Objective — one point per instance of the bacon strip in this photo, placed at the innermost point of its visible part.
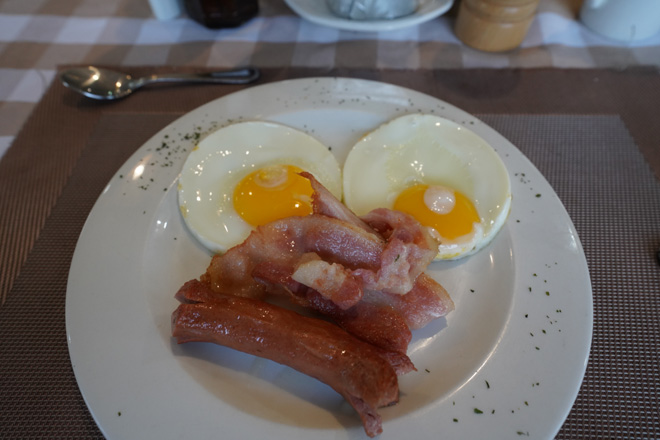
(427, 301)
(277, 258)
(401, 227)
(284, 243)
(389, 268)
(333, 281)
(353, 368)
(325, 203)
(410, 246)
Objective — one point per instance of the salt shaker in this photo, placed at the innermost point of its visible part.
(221, 13)
(494, 25)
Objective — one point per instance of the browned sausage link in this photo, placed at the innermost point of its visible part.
(376, 324)
(314, 347)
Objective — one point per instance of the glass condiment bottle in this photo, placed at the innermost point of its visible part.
(494, 25)
(221, 13)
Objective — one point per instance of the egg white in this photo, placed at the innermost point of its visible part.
(219, 162)
(428, 149)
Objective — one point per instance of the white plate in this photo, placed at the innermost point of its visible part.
(318, 12)
(507, 362)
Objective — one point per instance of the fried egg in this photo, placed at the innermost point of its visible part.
(245, 175)
(441, 173)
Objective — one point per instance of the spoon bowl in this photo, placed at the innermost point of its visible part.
(105, 84)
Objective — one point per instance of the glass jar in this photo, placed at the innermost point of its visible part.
(221, 13)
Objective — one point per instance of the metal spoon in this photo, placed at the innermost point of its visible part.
(98, 83)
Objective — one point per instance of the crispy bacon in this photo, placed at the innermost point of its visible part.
(333, 281)
(284, 243)
(401, 227)
(410, 246)
(325, 203)
(353, 368)
(390, 268)
(427, 301)
(340, 258)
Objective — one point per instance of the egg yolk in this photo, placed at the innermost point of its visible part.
(448, 211)
(272, 193)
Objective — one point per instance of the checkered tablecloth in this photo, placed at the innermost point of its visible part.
(37, 36)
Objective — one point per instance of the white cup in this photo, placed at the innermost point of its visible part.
(622, 20)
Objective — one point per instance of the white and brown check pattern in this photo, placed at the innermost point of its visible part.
(37, 36)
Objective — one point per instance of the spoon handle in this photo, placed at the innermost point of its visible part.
(239, 76)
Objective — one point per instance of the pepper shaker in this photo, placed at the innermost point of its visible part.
(494, 25)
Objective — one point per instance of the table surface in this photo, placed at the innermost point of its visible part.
(592, 100)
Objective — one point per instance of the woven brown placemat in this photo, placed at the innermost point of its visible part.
(613, 199)
(591, 133)
(40, 397)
